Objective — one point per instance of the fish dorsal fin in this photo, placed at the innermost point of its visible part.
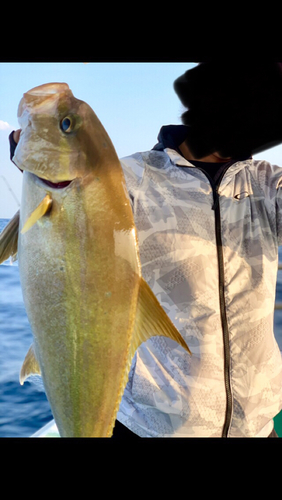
(9, 239)
(151, 320)
(41, 210)
(30, 365)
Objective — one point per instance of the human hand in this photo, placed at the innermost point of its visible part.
(14, 139)
(16, 135)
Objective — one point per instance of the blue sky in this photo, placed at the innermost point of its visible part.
(132, 100)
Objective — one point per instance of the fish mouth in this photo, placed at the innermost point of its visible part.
(56, 185)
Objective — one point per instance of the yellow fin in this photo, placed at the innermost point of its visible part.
(41, 210)
(151, 320)
(9, 239)
(30, 365)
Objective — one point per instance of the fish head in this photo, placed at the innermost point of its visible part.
(61, 137)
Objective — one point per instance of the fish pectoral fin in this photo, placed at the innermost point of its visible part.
(151, 320)
(41, 210)
(30, 365)
(9, 239)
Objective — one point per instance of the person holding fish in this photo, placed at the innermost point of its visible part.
(195, 327)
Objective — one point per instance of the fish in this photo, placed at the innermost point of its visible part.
(86, 300)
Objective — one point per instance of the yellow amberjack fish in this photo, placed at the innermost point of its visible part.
(86, 300)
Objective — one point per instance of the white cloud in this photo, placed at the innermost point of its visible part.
(4, 125)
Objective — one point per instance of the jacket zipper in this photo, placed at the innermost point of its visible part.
(226, 347)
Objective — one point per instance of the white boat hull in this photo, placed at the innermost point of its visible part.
(49, 430)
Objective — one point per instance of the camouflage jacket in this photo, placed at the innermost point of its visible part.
(210, 256)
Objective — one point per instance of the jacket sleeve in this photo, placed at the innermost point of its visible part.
(272, 186)
(279, 211)
(133, 169)
(267, 184)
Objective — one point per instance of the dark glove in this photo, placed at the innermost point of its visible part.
(13, 146)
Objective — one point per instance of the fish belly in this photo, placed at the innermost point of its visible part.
(81, 297)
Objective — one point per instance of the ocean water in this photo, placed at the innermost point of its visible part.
(25, 409)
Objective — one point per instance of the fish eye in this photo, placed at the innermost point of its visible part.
(66, 124)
